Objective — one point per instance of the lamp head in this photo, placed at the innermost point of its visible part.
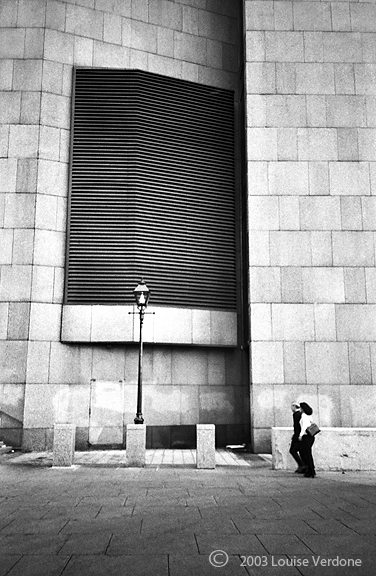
(142, 295)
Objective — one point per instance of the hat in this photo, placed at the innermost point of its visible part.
(306, 408)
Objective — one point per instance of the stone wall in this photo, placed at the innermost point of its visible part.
(311, 128)
(43, 379)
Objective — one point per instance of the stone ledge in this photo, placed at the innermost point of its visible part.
(120, 323)
(334, 449)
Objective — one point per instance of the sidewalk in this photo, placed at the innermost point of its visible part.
(170, 519)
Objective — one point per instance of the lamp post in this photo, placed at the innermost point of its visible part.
(141, 294)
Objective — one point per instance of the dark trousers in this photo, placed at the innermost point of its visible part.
(307, 442)
(295, 451)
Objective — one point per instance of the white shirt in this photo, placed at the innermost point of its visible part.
(305, 421)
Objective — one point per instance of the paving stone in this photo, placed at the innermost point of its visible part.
(31, 544)
(42, 565)
(160, 543)
(6, 563)
(283, 544)
(199, 564)
(231, 544)
(117, 566)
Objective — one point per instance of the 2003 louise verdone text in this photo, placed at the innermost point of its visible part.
(294, 561)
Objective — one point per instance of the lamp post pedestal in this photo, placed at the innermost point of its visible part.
(135, 445)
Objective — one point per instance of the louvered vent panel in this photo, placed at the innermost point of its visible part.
(152, 191)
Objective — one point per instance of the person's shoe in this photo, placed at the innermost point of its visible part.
(300, 470)
(306, 475)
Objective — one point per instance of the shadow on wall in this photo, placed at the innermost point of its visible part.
(10, 430)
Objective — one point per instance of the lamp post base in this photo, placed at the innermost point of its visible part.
(139, 419)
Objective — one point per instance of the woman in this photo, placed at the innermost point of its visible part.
(306, 439)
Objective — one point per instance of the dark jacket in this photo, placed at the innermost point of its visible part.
(296, 420)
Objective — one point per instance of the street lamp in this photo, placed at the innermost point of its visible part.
(141, 294)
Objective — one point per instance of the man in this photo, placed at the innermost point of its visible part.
(295, 444)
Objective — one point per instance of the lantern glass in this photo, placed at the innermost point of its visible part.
(142, 294)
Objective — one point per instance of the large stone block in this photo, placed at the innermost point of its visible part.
(23, 141)
(34, 43)
(19, 211)
(40, 406)
(27, 75)
(205, 452)
(317, 144)
(356, 323)
(53, 178)
(290, 248)
(70, 364)
(288, 178)
(325, 322)
(323, 285)
(267, 362)
(38, 360)
(259, 15)
(8, 172)
(294, 362)
(293, 322)
(322, 251)
(320, 213)
(355, 285)
(55, 110)
(15, 283)
(166, 14)
(353, 249)
(262, 143)
(111, 362)
(110, 55)
(319, 178)
(50, 143)
(110, 323)
(136, 445)
(363, 17)
(49, 248)
(265, 284)
(292, 284)
(260, 78)
(284, 46)
(18, 320)
(10, 103)
(315, 78)
(349, 178)
(327, 363)
(312, 16)
(63, 444)
(72, 404)
(261, 322)
(351, 213)
(161, 405)
(334, 449)
(12, 42)
(43, 284)
(286, 110)
(45, 321)
(83, 21)
(342, 47)
(367, 144)
(263, 213)
(6, 242)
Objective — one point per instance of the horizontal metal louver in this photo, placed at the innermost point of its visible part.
(152, 191)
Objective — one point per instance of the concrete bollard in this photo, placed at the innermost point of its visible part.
(63, 444)
(135, 445)
(205, 451)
